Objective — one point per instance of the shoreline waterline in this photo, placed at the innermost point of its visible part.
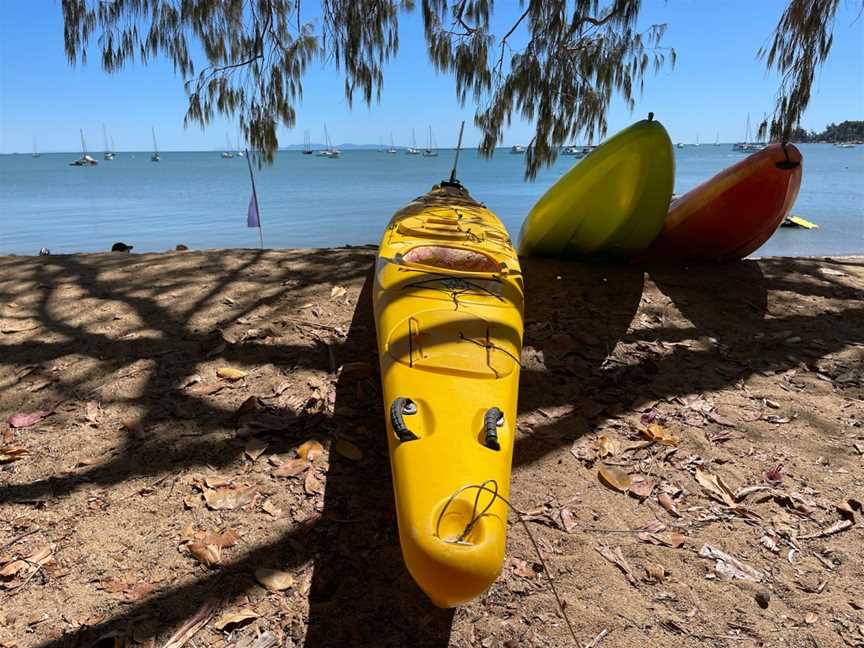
(201, 200)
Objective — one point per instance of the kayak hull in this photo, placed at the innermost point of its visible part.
(611, 204)
(448, 301)
(731, 215)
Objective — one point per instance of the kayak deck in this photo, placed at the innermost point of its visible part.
(448, 309)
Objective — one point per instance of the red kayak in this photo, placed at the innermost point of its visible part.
(731, 215)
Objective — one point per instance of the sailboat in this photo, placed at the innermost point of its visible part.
(717, 139)
(155, 156)
(108, 155)
(227, 154)
(430, 150)
(238, 149)
(329, 151)
(85, 159)
(747, 146)
(392, 148)
(697, 141)
(307, 143)
(35, 150)
(113, 148)
(412, 150)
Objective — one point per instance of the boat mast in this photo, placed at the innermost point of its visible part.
(155, 148)
(453, 180)
(105, 138)
(83, 143)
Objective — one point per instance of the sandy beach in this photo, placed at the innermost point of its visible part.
(170, 393)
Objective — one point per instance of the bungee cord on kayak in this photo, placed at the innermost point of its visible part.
(475, 518)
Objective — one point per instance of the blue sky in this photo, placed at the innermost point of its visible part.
(716, 82)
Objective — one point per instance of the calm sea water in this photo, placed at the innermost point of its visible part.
(200, 200)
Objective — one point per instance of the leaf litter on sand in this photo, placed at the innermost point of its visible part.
(8, 454)
(27, 420)
(230, 374)
(193, 624)
(18, 571)
(232, 620)
(728, 567)
(658, 434)
(221, 494)
(255, 447)
(310, 450)
(291, 468)
(206, 546)
(274, 580)
(614, 478)
(667, 503)
(715, 487)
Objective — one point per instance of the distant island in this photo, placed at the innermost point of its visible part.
(847, 131)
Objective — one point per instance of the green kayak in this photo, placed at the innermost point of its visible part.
(611, 204)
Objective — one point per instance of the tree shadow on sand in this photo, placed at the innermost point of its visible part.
(577, 316)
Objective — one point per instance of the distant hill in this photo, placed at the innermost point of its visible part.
(847, 131)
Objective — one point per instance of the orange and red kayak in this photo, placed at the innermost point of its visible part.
(731, 215)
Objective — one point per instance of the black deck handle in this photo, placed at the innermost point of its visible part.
(402, 407)
(492, 420)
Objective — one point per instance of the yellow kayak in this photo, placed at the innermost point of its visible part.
(448, 301)
(611, 204)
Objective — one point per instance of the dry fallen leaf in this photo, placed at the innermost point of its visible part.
(224, 498)
(522, 568)
(657, 433)
(209, 555)
(837, 527)
(667, 503)
(312, 484)
(811, 618)
(230, 620)
(92, 411)
(715, 486)
(654, 573)
(614, 478)
(205, 389)
(337, 291)
(348, 450)
(269, 507)
(9, 454)
(310, 450)
(223, 539)
(568, 519)
(774, 476)
(274, 579)
(728, 567)
(26, 420)
(641, 487)
(230, 374)
(607, 447)
(290, 468)
(37, 559)
(672, 539)
(255, 447)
